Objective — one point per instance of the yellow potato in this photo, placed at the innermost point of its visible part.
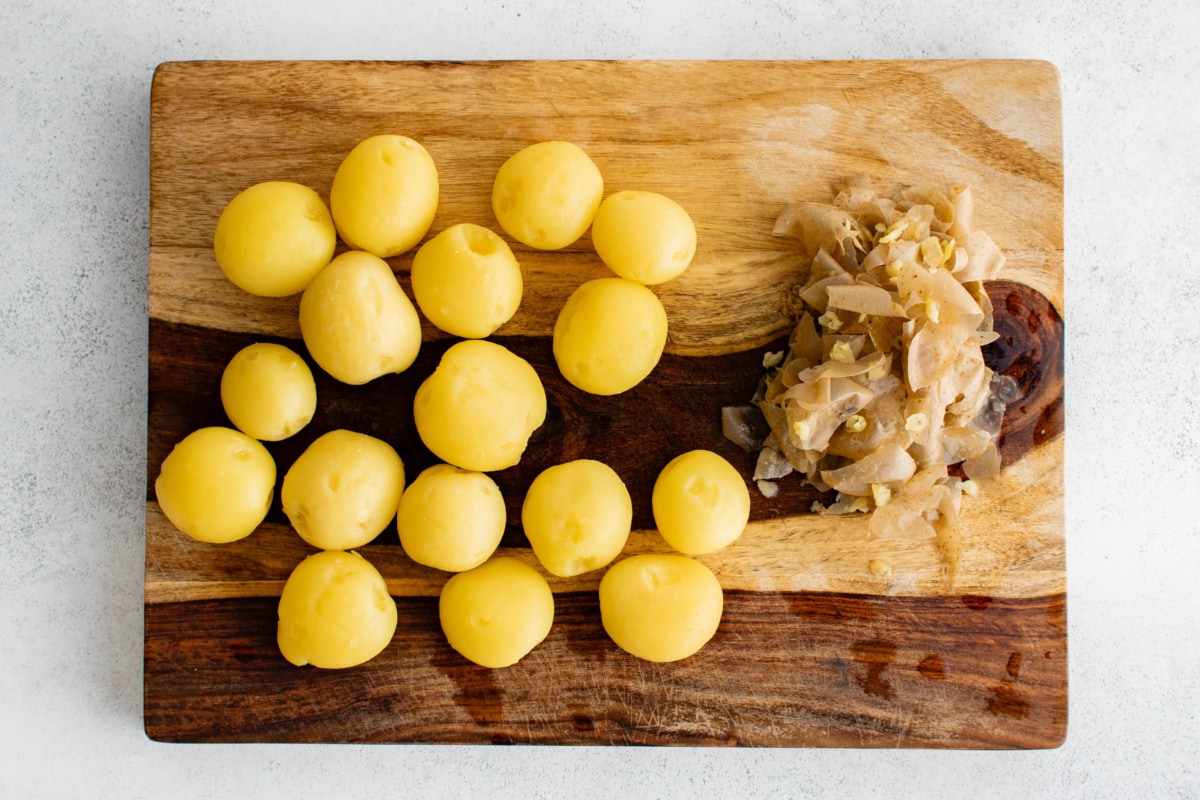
(216, 485)
(546, 195)
(577, 517)
(467, 281)
(268, 392)
(496, 613)
(660, 607)
(335, 612)
(451, 519)
(701, 503)
(343, 490)
(644, 236)
(610, 335)
(356, 320)
(480, 406)
(273, 238)
(384, 195)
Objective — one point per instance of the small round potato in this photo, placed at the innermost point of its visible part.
(343, 490)
(495, 614)
(660, 607)
(467, 281)
(577, 517)
(216, 485)
(451, 519)
(701, 503)
(335, 612)
(384, 195)
(273, 238)
(610, 335)
(644, 236)
(546, 195)
(356, 320)
(268, 392)
(480, 406)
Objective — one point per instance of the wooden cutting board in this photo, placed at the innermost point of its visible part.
(813, 649)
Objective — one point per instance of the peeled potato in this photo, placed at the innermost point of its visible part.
(451, 519)
(610, 335)
(495, 614)
(343, 490)
(216, 485)
(644, 236)
(660, 607)
(384, 195)
(356, 320)
(273, 238)
(335, 612)
(546, 194)
(268, 392)
(480, 406)
(467, 281)
(577, 517)
(701, 503)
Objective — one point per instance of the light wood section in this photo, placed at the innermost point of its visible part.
(733, 142)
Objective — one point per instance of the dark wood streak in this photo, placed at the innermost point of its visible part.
(676, 409)
(214, 673)
(1030, 351)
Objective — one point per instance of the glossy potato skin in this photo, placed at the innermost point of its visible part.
(216, 485)
(546, 194)
(273, 238)
(660, 607)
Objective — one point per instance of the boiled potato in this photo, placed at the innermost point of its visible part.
(495, 614)
(701, 503)
(610, 335)
(450, 518)
(216, 485)
(343, 490)
(480, 406)
(384, 195)
(273, 238)
(335, 612)
(356, 320)
(546, 194)
(467, 281)
(268, 392)
(644, 236)
(577, 517)
(660, 607)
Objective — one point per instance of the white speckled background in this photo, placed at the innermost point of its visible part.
(74, 133)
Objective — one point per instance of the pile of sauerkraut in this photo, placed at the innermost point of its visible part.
(883, 386)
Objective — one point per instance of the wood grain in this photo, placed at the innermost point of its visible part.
(787, 669)
(814, 650)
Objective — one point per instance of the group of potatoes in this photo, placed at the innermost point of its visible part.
(476, 411)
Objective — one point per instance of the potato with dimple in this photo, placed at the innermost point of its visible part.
(660, 607)
(268, 392)
(609, 335)
(577, 517)
(644, 236)
(546, 195)
(451, 519)
(467, 281)
(356, 320)
(495, 614)
(335, 612)
(385, 194)
(701, 503)
(343, 490)
(216, 485)
(273, 238)
(480, 406)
